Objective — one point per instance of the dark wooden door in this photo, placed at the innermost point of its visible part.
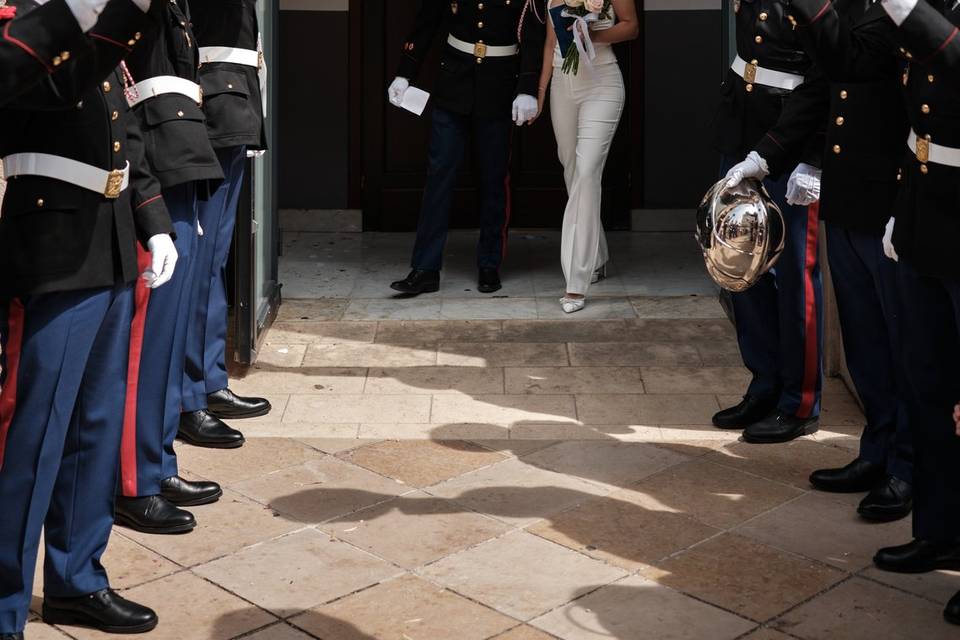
(389, 145)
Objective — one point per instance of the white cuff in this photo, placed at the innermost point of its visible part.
(86, 12)
(899, 10)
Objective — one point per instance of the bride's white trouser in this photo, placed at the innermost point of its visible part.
(585, 110)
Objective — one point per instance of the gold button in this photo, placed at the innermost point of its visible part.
(899, 175)
(844, 94)
(925, 108)
(57, 60)
(909, 55)
(114, 115)
(930, 78)
(837, 149)
(480, 6)
(137, 35)
(793, 22)
(754, 61)
(229, 86)
(39, 203)
(479, 60)
(749, 88)
(758, 39)
(131, 42)
(65, 55)
(764, 16)
(924, 169)
(508, 3)
(106, 87)
(116, 147)
(179, 114)
(480, 25)
(840, 121)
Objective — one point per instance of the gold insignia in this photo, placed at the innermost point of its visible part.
(736, 6)
(454, 8)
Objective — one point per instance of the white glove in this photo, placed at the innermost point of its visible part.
(525, 109)
(899, 10)
(888, 249)
(87, 12)
(752, 167)
(398, 88)
(163, 260)
(803, 187)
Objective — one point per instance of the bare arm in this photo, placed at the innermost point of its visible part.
(627, 27)
(547, 72)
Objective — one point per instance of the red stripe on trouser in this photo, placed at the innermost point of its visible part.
(811, 351)
(8, 396)
(128, 442)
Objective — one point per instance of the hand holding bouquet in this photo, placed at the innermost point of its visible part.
(571, 21)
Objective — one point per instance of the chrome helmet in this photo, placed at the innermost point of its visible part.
(741, 233)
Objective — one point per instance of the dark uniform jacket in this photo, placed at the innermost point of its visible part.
(928, 209)
(55, 236)
(747, 111)
(32, 44)
(232, 99)
(173, 125)
(467, 85)
(856, 92)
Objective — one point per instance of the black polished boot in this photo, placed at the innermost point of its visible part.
(225, 404)
(779, 427)
(857, 477)
(489, 281)
(201, 429)
(952, 613)
(892, 500)
(750, 410)
(153, 514)
(103, 610)
(184, 493)
(419, 281)
(919, 556)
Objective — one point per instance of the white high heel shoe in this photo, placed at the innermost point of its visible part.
(572, 305)
(599, 274)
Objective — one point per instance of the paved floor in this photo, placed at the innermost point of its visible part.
(515, 475)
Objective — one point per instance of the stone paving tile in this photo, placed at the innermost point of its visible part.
(744, 576)
(646, 410)
(826, 528)
(437, 380)
(561, 331)
(456, 431)
(880, 614)
(790, 463)
(579, 432)
(516, 492)
(488, 309)
(420, 463)
(190, 607)
(633, 354)
(716, 495)
(320, 490)
(625, 528)
(294, 309)
(719, 354)
(300, 430)
(516, 354)
(678, 307)
(718, 380)
(415, 529)
(435, 331)
(311, 332)
(503, 409)
(223, 528)
(609, 463)
(37, 630)
(717, 330)
(278, 631)
(300, 380)
(939, 586)
(524, 632)
(403, 609)
(767, 634)
(598, 308)
(521, 575)
(514, 448)
(369, 355)
(297, 572)
(358, 408)
(285, 356)
(129, 564)
(257, 457)
(573, 380)
(335, 445)
(638, 608)
(394, 308)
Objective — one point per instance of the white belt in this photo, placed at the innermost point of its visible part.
(159, 85)
(752, 74)
(926, 151)
(110, 184)
(246, 57)
(481, 50)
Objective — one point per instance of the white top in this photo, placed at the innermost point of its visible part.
(605, 54)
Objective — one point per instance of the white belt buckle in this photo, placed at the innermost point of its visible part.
(114, 186)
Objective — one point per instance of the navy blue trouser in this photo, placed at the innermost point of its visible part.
(152, 416)
(780, 319)
(448, 141)
(931, 353)
(868, 300)
(64, 363)
(206, 353)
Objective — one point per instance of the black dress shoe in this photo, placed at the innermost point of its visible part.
(779, 427)
(103, 610)
(952, 613)
(890, 501)
(184, 493)
(489, 281)
(153, 514)
(225, 404)
(419, 281)
(920, 556)
(750, 410)
(201, 429)
(857, 477)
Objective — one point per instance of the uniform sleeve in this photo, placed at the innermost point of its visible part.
(429, 19)
(33, 45)
(799, 135)
(844, 54)
(930, 37)
(149, 210)
(532, 36)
